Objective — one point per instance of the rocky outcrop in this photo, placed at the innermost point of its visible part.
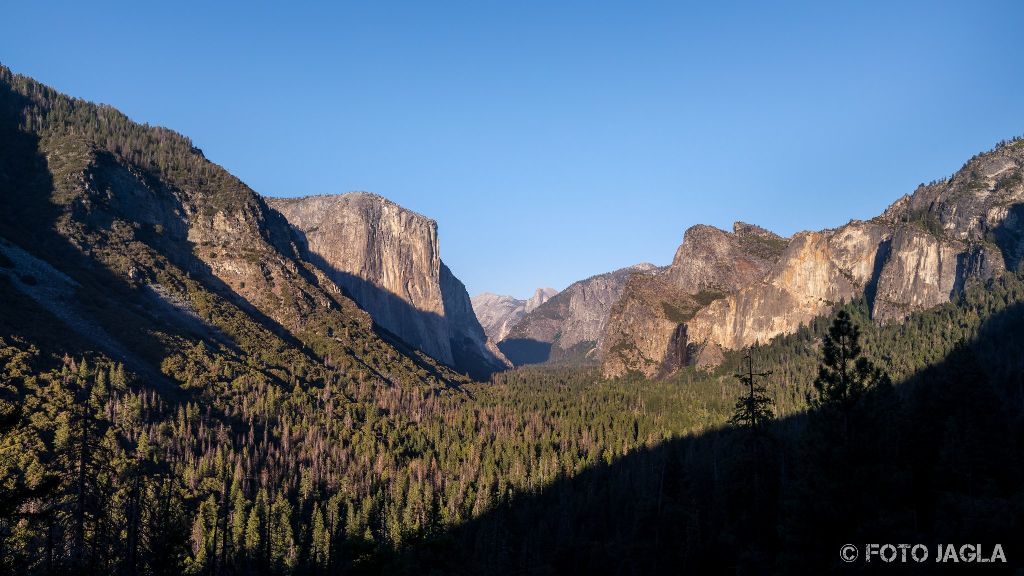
(919, 253)
(713, 260)
(647, 332)
(969, 226)
(569, 327)
(816, 271)
(388, 260)
(923, 270)
(899, 268)
(498, 313)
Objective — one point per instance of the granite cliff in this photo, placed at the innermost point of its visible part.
(388, 259)
(920, 252)
(124, 238)
(647, 330)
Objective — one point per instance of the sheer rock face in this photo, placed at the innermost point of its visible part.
(919, 253)
(388, 259)
(923, 271)
(816, 271)
(970, 226)
(472, 350)
(646, 331)
(570, 327)
(898, 267)
(498, 313)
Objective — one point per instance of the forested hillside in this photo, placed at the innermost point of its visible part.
(931, 455)
(539, 470)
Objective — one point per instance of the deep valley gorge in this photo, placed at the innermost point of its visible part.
(196, 378)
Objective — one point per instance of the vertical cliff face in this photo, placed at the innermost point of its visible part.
(570, 327)
(388, 259)
(643, 334)
(499, 313)
(382, 255)
(646, 331)
(922, 271)
(147, 251)
(816, 271)
(970, 226)
(919, 253)
(899, 268)
(729, 291)
(472, 351)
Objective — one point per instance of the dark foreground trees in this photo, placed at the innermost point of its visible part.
(538, 472)
(844, 376)
(845, 462)
(930, 461)
(754, 408)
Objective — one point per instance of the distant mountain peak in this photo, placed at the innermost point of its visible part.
(570, 326)
(499, 313)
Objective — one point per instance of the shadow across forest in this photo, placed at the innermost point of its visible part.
(117, 206)
(30, 217)
(936, 459)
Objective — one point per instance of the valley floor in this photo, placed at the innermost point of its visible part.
(539, 471)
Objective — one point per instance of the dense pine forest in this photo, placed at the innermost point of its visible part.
(539, 470)
(296, 439)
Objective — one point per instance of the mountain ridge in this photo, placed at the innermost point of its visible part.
(130, 210)
(499, 313)
(920, 252)
(570, 326)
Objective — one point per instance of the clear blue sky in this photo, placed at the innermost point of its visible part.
(556, 140)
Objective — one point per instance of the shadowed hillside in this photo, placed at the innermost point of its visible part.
(938, 460)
